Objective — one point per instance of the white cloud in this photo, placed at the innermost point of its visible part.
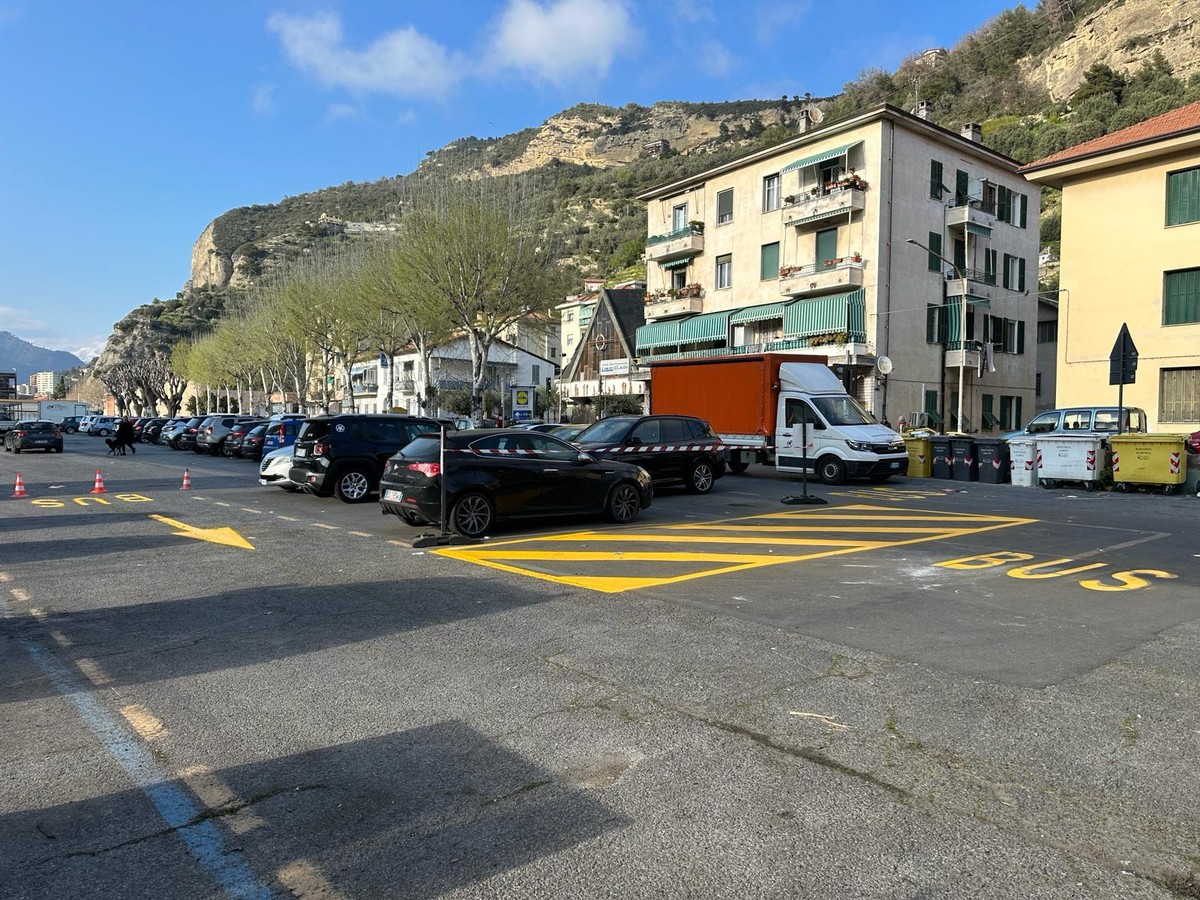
(402, 62)
(563, 41)
(263, 99)
(16, 321)
(692, 12)
(776, 23)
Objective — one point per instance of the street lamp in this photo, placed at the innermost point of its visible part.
(962, 324)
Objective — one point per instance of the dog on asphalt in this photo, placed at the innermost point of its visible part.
(114, 449)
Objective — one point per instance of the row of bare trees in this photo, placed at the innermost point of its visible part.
(465, 263)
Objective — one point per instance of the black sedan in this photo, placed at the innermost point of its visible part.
(504, 474)
(34, 435)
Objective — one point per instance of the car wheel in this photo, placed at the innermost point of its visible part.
(624, 503)
(472, 515)
(16, 449)
(104, 432)
(831, 470)
(737, 468)
(70, 431)
(700, 477)
(353, 485)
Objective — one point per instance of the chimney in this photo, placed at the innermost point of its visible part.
(925, 110)
(973, 132)
(806, 122)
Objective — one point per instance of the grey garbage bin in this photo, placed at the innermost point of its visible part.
(965, 465)
(941, 456)
(993, 460)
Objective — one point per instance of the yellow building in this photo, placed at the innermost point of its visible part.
(1131, 255)
(855, 241)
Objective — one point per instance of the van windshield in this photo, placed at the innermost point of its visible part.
(842, 411)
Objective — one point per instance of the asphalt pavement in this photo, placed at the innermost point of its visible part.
(918, 689)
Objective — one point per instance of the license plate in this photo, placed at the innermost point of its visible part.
(895, 465)
(397, 496)
(41, 440)
(299, 451)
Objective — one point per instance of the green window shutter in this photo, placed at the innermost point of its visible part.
(1183, 197)
(935, 251)
(970, 324)
(962, 187)
(1003, 203)
(960, 254)
(1016, 412)
(770, 262)
(1024, 210)
(1182, 300)
(1006, 280)
(827, 242)
(1020, 337)
(989, 266)
(935, 179)
(943, 333)
(1021, 274)
(931, 323)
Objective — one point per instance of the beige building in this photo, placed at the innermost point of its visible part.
(1131, 255)
(857, 241)
(41, 383)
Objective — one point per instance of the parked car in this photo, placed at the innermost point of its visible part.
(508, 474)
(568, 432)
(214, 429)
(1082, 420)
(231, 444)
(1193, 442)
(85, 421)
(170, 429)
(345, 454)
(102, 426)
(274, 468)
(183, 437)
(250, 446)
(673, 449)
(281, 432)
(34, 434)
(143, 428)
(6, 423)
(70, 424)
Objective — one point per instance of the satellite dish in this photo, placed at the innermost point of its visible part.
(884, 365)
(815, 114)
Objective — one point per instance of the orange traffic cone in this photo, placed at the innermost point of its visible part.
(19, 487)
(99, 487)
(187, 481)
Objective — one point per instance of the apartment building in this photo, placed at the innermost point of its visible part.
(41, 383)
(1131, 255)
(859, 241)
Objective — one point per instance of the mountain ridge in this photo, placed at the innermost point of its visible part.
(27, 358)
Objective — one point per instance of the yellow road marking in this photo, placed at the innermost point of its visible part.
(306, 881)
(20, 595)
(221, 535)
(148, 726)
(853, 529)
(217, 795)
(5, 577)
(92, 671)
(362, 534)
(61, 639)
(38, 613)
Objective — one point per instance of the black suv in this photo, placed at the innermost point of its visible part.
(345, 454)
(673, 449)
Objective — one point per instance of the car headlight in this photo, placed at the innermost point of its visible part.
(860, 446)
(643, 476)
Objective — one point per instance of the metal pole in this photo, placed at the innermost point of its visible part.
(962, 325)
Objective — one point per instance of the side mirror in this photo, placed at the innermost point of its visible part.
(584, 458)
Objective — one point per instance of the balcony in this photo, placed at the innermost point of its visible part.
(972, 216)
(968, 358)
(811, 208)
(365, 388)
(684, 242)
(682, 301)
(978, 287)
(841, 274)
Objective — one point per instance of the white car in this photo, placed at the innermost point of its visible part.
(102, 425)
(274, 468)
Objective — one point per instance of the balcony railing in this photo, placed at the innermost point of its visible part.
(666, 306)
(686, 241)
(967, 212)
(979, 287)
(818, 278)
(818, 205)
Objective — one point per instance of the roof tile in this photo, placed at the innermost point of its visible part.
(1184, 119)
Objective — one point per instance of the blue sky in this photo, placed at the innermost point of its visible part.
(130, 124)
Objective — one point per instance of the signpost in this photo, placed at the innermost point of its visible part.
(1122, 370)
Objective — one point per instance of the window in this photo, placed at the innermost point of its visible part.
(725, 206)
(935, 323)
(1004, 204)
(1181, 303)
(769, 264)
(1179, 395)
(989, 414)
(1047, 332)
(1023, 214)
(1014, 272)
(1183, 197)
(989, 266)
(962, 187)
(936, 188)
(935, 251)
(569, 315)
(1007, 418)
(770, 193)
(827, 244)
(1037, 388)
(537, 374)
(1007, 335)
(678, 278)
(679, 218)
(725, 271)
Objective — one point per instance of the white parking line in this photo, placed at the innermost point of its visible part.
(323, 525)
(362, 534)
(249, 510)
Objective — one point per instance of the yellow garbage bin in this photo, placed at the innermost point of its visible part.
(920, 456)
(1153, 459)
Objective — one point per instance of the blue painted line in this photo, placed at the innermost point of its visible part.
(177, 809)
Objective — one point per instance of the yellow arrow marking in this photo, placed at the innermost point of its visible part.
(221, 535)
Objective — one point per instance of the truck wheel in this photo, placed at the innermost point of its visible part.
(700, 477)
(831, 470)
(738, 467)
(353, 485)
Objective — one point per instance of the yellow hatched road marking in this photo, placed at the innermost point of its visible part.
(92, 671)
(217, 795)
(148, 726)
(306, 881)
(765, 531)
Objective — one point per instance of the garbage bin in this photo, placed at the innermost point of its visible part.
(965, 466)
(940, 467)
(993, 460)
(1022, 461)
(1154, 459)
(1191, 481)
(1082, 458)
(920, 456)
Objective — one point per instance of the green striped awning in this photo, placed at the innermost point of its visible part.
(821, 157)
(825, 315)
(981, 230)
(708, 327)
(657, 334)
(675, 263)
(757, 313)
(816, 217)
